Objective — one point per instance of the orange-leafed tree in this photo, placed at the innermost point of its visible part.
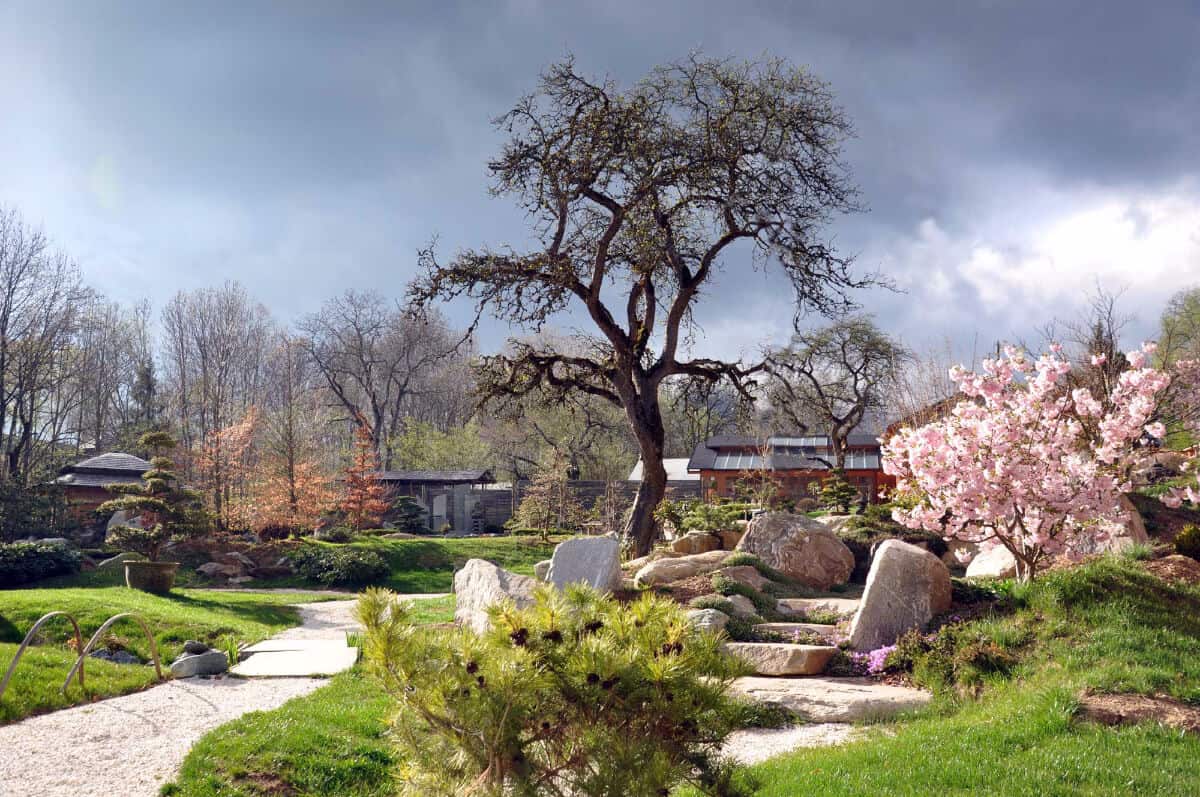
(291, 495)
(224, 464)
(365, 498)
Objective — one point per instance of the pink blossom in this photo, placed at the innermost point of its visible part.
(1024, 462)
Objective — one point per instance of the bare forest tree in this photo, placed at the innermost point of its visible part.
(383, 362)
(215, 342)
(638, 197)
(695, 410)
(835, 377)
(41, 294)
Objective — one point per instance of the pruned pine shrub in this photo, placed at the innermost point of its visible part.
(576, 695)
(341, 566)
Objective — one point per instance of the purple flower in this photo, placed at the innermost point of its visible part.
(874, 661)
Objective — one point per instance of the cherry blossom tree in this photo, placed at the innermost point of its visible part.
(1186, 400)
(1024, 461)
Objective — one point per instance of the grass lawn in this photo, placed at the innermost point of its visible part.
(207, 615)
(331, 742)
(428, 565)
(1108, 626)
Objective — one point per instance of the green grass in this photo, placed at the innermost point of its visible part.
(428, 565)
(206, 615)
(1108, 627)
(331, 742)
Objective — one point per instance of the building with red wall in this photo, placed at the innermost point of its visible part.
(795, 462)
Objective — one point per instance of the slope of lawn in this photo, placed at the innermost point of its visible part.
(331, 742)
(1108, 626)
(210, 616)
(428, 565)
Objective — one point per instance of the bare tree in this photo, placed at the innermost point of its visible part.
(696, 410)
(215, 343)
(376, 358)
(637, 197)
(41, 294)
(834, 377)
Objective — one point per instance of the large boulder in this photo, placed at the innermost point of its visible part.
(118, 562)
(594, 561)
(541, 570)
(799, 547)
(668, 570)
(707, 619)
(745, 574)
(1120, 535)
(906, 587)
(481, 584)
(730, 538)
(210, 662)
(220, 570)
(696, 542)
(993, 562)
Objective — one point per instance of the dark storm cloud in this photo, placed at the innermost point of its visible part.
(304, 148)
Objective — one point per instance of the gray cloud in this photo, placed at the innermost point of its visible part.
(306, 148)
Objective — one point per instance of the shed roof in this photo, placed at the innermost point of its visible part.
(437, 476)
(677, 470)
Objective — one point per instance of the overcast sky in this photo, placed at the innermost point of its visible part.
(1011, 154)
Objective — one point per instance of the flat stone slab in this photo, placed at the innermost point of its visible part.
(783, 658)
(827, 631)
(823, 699)
(752, 745)
(283, 658)
(843, 607)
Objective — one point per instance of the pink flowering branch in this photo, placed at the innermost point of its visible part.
(1024, 462)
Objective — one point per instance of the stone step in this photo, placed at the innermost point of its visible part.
(787, 629)
(783, 658)
(289, 658)
(842, 607)
(825, 699)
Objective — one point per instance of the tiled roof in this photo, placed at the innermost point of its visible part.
(114, 461)
(437, 476)
(95, 479)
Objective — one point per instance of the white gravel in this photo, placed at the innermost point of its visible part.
(129, 746)
(758, 744)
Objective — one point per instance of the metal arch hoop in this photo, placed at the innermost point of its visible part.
(96, 636)
(29, 638)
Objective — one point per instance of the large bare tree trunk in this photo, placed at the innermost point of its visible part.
(646, 420)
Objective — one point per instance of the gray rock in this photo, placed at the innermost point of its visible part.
(799, 547)
(906, 587)
(63, 541)
(745, 574)
(541, 569)
(115, 656)
(696, 542)
(481, 584)
(708, 619)
(994, 562)
(123, 518)
(595, 561)
(742, 606)
(783, 658)
(194, 647)
(218, 570)
(822, 699)
(667, 570)
(212, 662)
(117, 562)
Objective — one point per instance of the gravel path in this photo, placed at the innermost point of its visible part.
(758, 744)
(129, 746)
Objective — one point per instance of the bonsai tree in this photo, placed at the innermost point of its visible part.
(168, 511)
(837, 493)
